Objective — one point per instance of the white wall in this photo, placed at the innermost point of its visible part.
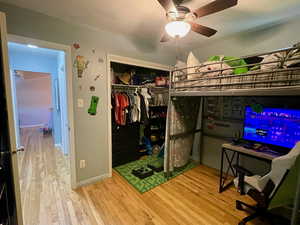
(34, 100)
(91, 132)
(260, 39)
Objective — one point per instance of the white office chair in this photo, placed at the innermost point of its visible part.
(278, 168)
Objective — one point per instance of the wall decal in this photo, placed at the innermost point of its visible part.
(81, 64)
(96, 78)
(76, 46)
(93, 106)
(92, 88)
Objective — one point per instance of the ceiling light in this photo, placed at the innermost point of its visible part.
(32, 46)
(177, 28)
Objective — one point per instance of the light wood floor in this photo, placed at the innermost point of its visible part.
(47, 198)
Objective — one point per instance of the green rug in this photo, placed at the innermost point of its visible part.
(143, 185)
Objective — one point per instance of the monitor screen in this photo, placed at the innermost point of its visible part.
(280, 127)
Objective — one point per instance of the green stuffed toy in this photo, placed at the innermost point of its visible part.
(236, 62)
(258, 108)
(93, 107)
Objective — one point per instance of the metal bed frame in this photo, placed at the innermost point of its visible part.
(276, 82)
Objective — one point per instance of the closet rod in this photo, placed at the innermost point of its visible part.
(129, 86)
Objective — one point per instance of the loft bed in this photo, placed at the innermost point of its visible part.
(275, 73)
(270, 73)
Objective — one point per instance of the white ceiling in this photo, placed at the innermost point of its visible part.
(143, 20)
(22, 49)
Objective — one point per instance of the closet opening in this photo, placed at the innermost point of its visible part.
(139, 99)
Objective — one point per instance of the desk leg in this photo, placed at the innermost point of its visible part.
(237, 162)
(221, 171)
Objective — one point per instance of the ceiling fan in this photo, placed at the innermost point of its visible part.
(181, 18)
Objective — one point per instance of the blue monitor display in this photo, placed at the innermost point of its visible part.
(280, 127)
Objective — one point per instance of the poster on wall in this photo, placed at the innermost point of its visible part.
(81, 65)
(93, 106)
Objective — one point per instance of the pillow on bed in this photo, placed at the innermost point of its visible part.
(179, 65)
(270, 61)
(191, 62)
(208, 66)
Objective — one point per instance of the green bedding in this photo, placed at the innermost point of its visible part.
(236, 62)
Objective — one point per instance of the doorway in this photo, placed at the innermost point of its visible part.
(42, 107)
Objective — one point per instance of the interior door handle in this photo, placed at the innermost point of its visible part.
(21, 149)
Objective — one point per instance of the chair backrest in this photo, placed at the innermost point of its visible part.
(283, 163)
(284, 192)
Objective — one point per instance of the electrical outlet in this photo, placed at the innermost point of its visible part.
(82, 164)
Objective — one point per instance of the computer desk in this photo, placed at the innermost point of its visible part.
(235, 157)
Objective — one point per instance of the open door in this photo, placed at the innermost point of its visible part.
(10, 203)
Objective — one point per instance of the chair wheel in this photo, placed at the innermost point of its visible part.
(239, 206)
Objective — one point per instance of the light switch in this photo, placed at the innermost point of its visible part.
(80, 103)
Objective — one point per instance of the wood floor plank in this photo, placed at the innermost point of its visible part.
(47, 198)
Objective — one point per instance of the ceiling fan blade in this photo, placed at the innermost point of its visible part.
(216, 6)
(165, 37)
(179, 2)
(168, 5)
(206, 31)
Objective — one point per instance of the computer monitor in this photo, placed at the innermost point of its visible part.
(273, 126)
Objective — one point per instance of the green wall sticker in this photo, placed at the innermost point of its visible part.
(93, 106)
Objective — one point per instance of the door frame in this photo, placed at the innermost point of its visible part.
(69, 88)
(129, 61)
(11, 122)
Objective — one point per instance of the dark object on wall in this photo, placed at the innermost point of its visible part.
(92, 88)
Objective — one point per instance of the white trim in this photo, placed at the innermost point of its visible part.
(109, 119)
(92, 180)
(137, 62)
(129, 61)
(69, 81)
(32, 125)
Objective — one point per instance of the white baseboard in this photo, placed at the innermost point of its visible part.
(33, 125)
(59, 146)
(92, 180)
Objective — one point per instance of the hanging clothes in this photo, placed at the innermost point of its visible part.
(146, 96)
(136, 108)
(144, 113)
(121, 104)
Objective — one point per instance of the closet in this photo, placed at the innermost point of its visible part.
(139, 97)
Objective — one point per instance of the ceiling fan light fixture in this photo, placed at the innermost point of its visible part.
(177, 28)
